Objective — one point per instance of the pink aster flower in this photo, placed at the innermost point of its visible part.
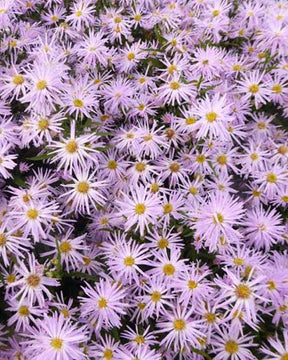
(141, 208)
(55, 338)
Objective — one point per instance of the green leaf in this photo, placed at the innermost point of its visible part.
(40, 157)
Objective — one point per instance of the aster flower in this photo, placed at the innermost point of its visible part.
(109, 305)
(182, 329)
(32, 284)
(217, 218)
(141, 208)
(231, 345)
(84, 193)
(55, 338)
(263, 228)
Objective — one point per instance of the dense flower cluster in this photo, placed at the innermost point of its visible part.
(143, 179)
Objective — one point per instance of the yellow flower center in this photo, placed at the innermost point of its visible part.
(261, 125)
(237, 67)
(108, 354)
(238, 261)
(10, 278)
(272, 178)
(168, 269)
(222, 159)
(171, 69)
(78, 103)
(78, 13)
(43, 124)
(117, 19)
(3, 239)
(71, 146)
(129, 261)
(271, 285)
(102, 303)
(140, 209)
(231, 347)
(174, 85)
(156, 296)
(254, 88)
(193, 190)
(284, 356)
(54, 18)
(139, 339)
(167, 208)
(41, 85)
(211, 117)
(174, 167)
(23, 311)
(282, 149)
(32, 214)
(218, 219)
(190, 120)
(163, 243)
(179, 325)
(284, 198)
(254, 156)
(242, 291)
(200, 159)
(18, 80)
(65, 247)
(33, 280)
(56, 344)
(277, 89)
(210, 317)
(192, 284)
(137, 17)
(65, 313)
(83, 187)
(86, 260)
(131, 56)
(112, 165)
(215, 12)
(140, 166)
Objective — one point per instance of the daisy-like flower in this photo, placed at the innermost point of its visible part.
(34, 218)
(214, 116)
(271, 178)
(10, 243)
(23, 314)
(263, 228)
(167, 266)
(105, 348)
(124, 263)
(141, 208)
(217, 218)
(70, 249)
(84, 193)
(182, 329)
(175, 91)
(32, 284)
(92, 49)
(55, 338)
(229, 344)
(252, 85)
(73, 151)
(156, 298)
(193, 286)
(138, 338)
(103, 304)
(243, 295)
(279, 349)
(82, 14)
(6, 161)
